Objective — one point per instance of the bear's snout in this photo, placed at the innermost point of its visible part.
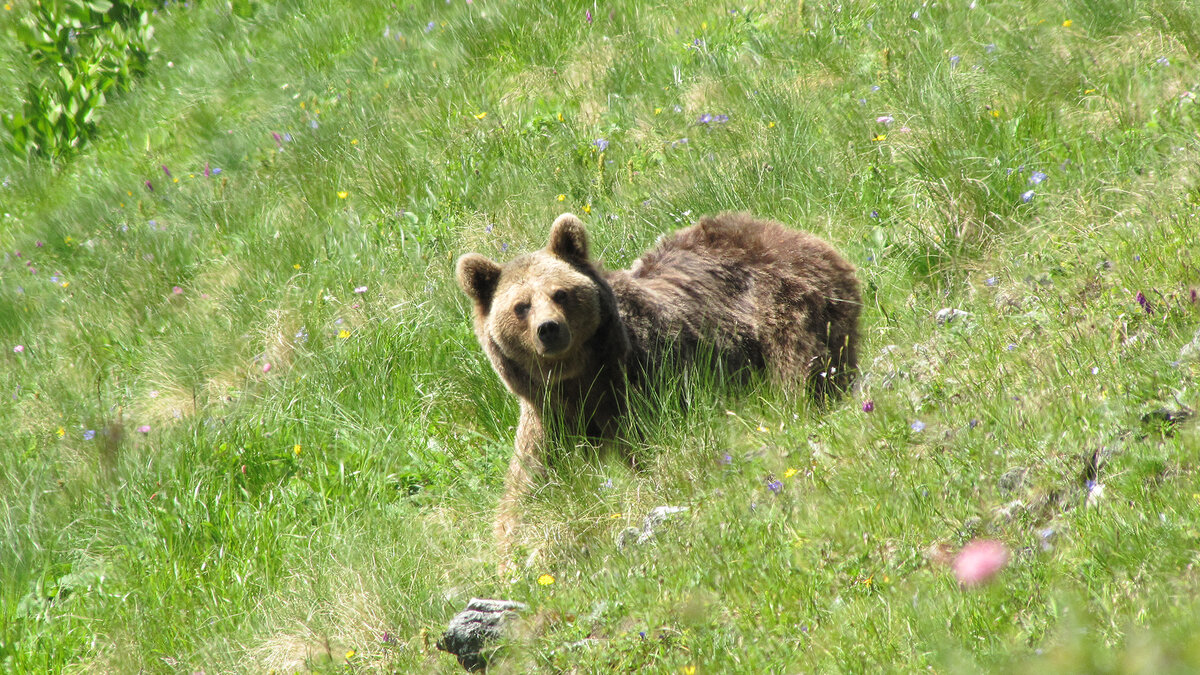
(553, 337)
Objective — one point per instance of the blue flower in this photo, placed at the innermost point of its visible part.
(727, 459)
(89, 434)
(705, 119)
(990, 281)
(918, 426)
(954, 60)
(429, 26)
(775, 485)
(1037, 177)
(1027, 197)
(600, 144)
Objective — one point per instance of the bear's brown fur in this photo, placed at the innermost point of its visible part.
(565, 336)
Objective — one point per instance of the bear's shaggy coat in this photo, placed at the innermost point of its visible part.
(566, 337)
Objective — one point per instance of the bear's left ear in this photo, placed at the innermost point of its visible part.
(568, 239)
(478, 276)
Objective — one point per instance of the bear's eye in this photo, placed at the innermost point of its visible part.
(559, 297)
(521, 309)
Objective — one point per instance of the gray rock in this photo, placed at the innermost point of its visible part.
(1191, 351)
(949, 315)
(470, 631)
(650, 526)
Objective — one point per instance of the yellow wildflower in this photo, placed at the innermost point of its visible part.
(770, 125)
(689, 670)
(1067, 23)
(996, 114)
(657, 111)
(561, 198)
(65, 284)
(545, 580)
(880, 137)
(560, 117)
(296, 449)
(1089, 91)
(618, 515)
(587, 208)
(353, 141)
(349, 654)
(61, 432)
(763, 429)
(342, 194)
(296, 266)
(481, 115)
(789, 473)
(343, 334)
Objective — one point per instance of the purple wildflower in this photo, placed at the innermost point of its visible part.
(774, 485)
(868, 406)
(1027, 196)
(177, 290)
(989, 48)
(1037, 177)
(216, 171)
(207, 170)
(1163, 61)
(313, 124)
(954, 61)
(166, 170)
(1141, 299)
(721, 119)
(278, 140)
(601, 144)
(1010, 346)
(19, 349)
(918, 426)
(144, 429)
(874, 213)
(704, 119)
(89, 434)
(360, 289)
(991, 281)
(727, 459)
(588, 16)
(150, 186)
(885, 119)
(429, 26)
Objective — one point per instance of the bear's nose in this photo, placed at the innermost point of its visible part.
(553, 335)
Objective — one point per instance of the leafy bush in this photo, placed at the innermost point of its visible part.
(81, 51)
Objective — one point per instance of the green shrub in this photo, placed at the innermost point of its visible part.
(81, 52)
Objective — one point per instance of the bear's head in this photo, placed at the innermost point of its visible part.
(544, 311)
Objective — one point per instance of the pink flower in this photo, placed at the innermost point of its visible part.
(979, 561)
(361, 289)
(267, 367)
(19, 349)
(144, 429)
(177, 290)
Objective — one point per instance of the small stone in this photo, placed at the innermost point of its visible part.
(650, 526)
(949, 315)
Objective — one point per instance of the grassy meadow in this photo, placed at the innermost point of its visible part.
(245, 425)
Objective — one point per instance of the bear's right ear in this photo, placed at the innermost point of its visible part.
(568, 239)
(477, 276)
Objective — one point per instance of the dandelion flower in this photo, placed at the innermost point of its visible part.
(61, 432)
(349, 654)
(545, 580)
(879, 137)
(587, 208)
(296, 449)
(343, 334)
(790, 472)
(1067, 23)
(342, 194)
(296, 266)
(689, 670)
(561, 198)
(481, 115)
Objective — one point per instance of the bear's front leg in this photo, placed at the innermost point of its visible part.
(525, 465)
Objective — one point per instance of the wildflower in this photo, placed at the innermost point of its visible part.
(995, 113)
(918, 426)
(989, 48)
(1010, 346)
(144, 429)
(266, 367)
(343, 334)
(727, 459)
(296, 449)
(1162, 61)
(216, 171)
(342, 194)
(790, 472)
(607, 484)
(879, 137)
(166, 170)
(705, 119)
(349, 654)
(763, 429)
(545, 580)
(1027, 197)
(954, 60)
(774, 485)
(874, 213)
(1067, 23)
(1037, 177)
(89, 434)
(1141, 300)
(61, 432)
(177, 290)
(990, 281)
(868, 406)
(360, 289)
(312, 124)
(150, 186)
(302, 336)
(600, 144)
(481, 115)
(296, 266)
(689, 670)
(429, 26)
(884, 119)
(657, 111)
(587, 208)
(1095, 370)
(721, 119)
(771, 125)
(278, 140)
(979, 561)
(588, 16)
(561, 198)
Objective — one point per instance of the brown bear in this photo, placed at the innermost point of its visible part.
(569, 338)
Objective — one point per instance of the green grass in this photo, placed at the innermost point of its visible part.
(209, 543)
